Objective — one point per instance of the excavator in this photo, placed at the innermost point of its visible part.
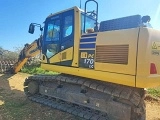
(104, 68)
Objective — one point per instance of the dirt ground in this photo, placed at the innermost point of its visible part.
(15, 106)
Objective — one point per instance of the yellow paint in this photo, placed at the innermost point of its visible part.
(88, 73)
(19, 65)
(58, 57)
(69, 54)
(146, 57)
(77, 36)
(32, 50)
(119, 37)
(55, 58)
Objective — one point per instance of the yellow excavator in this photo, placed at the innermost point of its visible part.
(104, 67)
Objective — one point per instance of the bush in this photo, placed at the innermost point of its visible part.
(35, 69)
(154, 91)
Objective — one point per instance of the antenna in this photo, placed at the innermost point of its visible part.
(80, 4)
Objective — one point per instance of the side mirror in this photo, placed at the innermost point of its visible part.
(31, 28)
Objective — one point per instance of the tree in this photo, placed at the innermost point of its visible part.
(1, 51)
(6, 55)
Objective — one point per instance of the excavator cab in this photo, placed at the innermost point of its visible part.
(59, 34)
(62, 32)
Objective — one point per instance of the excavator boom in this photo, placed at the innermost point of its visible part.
(29, 50)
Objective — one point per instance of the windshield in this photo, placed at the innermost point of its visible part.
(53, 29)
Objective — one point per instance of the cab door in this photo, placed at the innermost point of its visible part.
(67, 38)
(52, 40)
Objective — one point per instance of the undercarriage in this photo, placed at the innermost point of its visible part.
(87, 98)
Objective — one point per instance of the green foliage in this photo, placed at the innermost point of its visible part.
(154, 91)
(35, 69)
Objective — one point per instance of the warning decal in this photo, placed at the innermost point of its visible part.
(156, 45)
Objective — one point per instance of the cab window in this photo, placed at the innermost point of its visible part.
(53, 30)
(90, 23)
(68, 26)
(52, 37)
(52, 49)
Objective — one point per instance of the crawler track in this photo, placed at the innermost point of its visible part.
(86, 98)
(76, 110)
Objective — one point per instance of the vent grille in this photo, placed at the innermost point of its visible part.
(64, 55)
(115, 54)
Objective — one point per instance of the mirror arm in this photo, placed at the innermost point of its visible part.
(38, 25)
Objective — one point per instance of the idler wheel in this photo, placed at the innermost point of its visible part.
(33, 87)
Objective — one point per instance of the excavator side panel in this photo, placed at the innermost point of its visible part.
(148, 61)
(97, 75)
(116, 51)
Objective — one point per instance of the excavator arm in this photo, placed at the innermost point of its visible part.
(29, 50)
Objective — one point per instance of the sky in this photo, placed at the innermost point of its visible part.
(16, 15)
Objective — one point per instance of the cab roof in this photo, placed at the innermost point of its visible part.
(73, 8)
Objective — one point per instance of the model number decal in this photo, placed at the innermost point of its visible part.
(90, 62)
(86, 55)
(87, 59)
